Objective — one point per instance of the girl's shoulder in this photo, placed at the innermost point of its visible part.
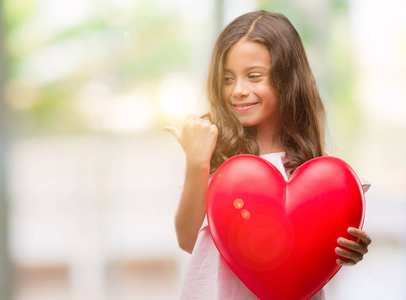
(365, 184)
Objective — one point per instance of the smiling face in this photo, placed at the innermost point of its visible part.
(247, 86)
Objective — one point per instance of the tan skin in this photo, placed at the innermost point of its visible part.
(197, 138)
(248, 90)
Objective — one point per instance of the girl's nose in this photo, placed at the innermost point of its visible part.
(240, 90)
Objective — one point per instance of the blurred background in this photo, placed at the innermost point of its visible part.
(89, 182)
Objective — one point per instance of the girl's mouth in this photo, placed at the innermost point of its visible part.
(245, 106)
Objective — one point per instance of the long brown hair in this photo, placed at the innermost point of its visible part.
(299, 105)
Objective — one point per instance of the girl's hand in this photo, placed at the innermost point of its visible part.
(197, 138)
(356, 250)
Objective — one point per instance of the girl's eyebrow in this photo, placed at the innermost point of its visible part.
(257, 67)
(247, 69)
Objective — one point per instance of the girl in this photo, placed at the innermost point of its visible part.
(263, 101)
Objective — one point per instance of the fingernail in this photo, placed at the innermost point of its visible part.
(339, 250)
(351, 230)
(341, 240)
(339, 262)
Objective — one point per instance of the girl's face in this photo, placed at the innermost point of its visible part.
(247, 86)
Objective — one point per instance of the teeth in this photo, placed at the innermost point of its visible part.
(245, 105)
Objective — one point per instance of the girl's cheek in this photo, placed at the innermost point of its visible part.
(226, 95)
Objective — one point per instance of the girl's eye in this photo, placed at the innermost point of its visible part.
(228, 79)
(254, 76)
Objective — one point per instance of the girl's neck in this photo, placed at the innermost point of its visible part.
(269, 141)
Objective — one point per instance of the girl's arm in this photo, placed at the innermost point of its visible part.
(198, 139)
(192, 206)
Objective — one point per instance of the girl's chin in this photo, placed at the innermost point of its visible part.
(247, 123)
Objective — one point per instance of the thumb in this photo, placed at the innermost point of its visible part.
(174, 131)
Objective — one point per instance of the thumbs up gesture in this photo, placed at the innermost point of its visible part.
(197, 138)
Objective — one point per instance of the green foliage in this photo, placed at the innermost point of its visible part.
(130, 46)
(17, 10)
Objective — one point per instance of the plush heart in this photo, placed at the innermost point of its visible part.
(280, 237)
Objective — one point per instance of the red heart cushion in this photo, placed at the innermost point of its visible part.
(279, 237)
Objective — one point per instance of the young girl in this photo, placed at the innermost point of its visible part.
(263, 101)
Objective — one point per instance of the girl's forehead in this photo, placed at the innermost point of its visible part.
(247, 54)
